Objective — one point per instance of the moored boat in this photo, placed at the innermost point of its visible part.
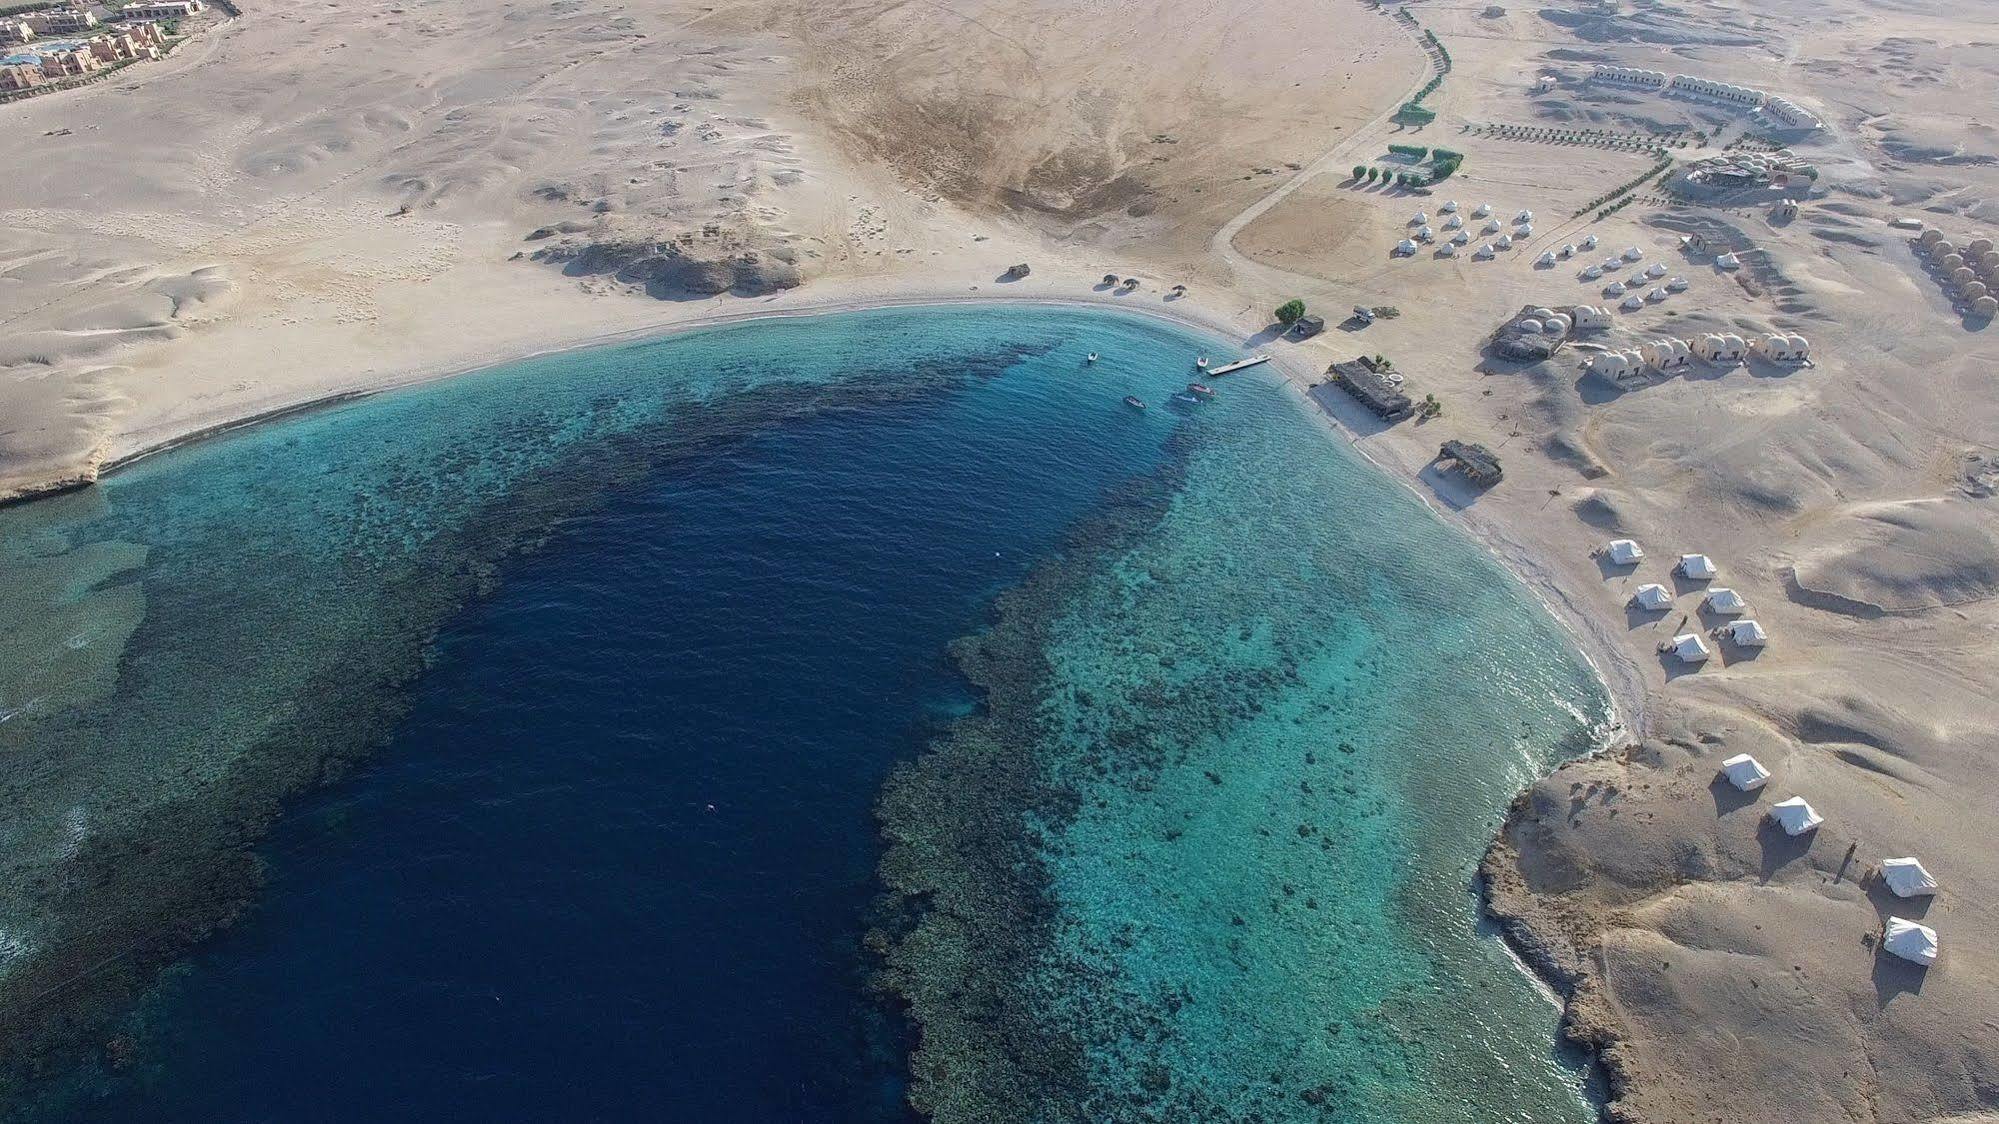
(1201, 363)
(1197, 388)
(1134, 401)
(1186, 399)
(1092, 358)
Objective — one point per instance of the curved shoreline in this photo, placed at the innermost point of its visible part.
(1530, 943)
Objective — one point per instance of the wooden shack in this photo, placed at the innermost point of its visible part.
(1476, 461)
(1368, 382)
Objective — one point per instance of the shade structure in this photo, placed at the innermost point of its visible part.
(1745, 772)
(1405, 247)
(1697, 566)
(1795, 816)
(1690, 648)
(1624, 552)
(1910, 941)
(1721, 599)
(1907, 878)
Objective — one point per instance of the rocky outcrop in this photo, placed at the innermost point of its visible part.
(672, 271)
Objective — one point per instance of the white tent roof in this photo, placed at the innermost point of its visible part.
(1623, 551)
(1745, 772)
(1907, 877)
(1698, 566)
(1722, 599)
(1589, 243)
(1747, 634)
(1795, 816)
(1910, 941)
(1690, 648)
(1450, 205)
(1653, 598)
(1405, 247)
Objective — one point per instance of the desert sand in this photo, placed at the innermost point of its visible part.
(332, 198)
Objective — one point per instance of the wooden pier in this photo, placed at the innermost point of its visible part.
(1231, 368)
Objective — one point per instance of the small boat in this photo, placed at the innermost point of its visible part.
(1201, 363)
(1186, 398)
(1134, 401)
(1197, 388)
(1092, 358)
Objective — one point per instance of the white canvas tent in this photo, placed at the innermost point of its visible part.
(1747, 634)
(1699, 567)
(1910, 941)
(1907, 878)
(1795, 816)
(1722, 599)
(1623, 552)
(1690, 648)
(1652, 598)
(1745, 772)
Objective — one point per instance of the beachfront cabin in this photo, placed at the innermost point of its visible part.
(1589, 243)
(1484, 252)
(1723, 348)
(1745, 772)
(1305, 327)
(1405, 247)
(1546, 260)
(1746, 634)
(1795, 816)
(1491, 227)
(1677, 285)
(1623, 552)
(1371, 386)
(1728, 261)
(1484, 209)
(1655, 271)
(1652, 598)
(1696, 567)
(1526, 231)
(1479, 464)
(1614, 289)
(1504, 242)
(1453, 222)
(1612, 365)
(1524, 216)
(1633, 253)
(1689, 648)
(1568, 251)
(1425, 234)
(1448, 250)
(1781, 348)
(1632, 303)
(1907, 878)
(1657, 294)
(1460, 239)
(1912, 942)
(1450, 207)
(1725, 601)
(1421, 218)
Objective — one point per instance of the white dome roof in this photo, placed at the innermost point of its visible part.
(1531, 325)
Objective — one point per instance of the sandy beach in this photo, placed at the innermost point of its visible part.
(323, 201)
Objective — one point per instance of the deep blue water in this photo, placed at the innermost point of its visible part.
(679, 609)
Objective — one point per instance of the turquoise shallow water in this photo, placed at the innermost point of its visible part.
(627, 642)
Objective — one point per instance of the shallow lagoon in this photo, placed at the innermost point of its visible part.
(628, 643)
